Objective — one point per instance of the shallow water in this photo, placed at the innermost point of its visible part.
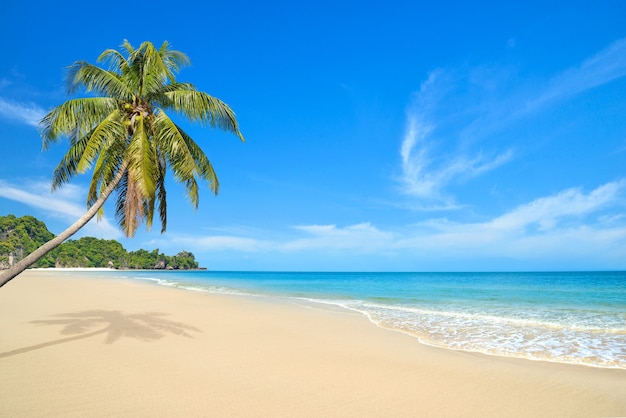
(570, 317)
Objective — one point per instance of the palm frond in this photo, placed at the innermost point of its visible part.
(66, 169)
(171, 139)
(128, 47)
(75, 117)
(84, 150)
(177, 86)
(186, 158)
(160, 99)
(174, 60)
(110, 161)
(191, 185)
(93, 78)
(161, 193)
(204, 108)
(116, 60)
(128, 207)
(206, 170)
(142, 160)
(154, 72)
(159, 198)
(187, 161)
(111, 129)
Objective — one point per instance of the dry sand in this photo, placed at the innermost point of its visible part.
(94, 347)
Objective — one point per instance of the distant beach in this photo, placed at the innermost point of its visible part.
(90, 343)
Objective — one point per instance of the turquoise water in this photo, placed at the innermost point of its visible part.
(570, 317)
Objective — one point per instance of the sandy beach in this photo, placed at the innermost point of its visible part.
(77, 347)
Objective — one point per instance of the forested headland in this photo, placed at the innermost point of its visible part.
(21, 236)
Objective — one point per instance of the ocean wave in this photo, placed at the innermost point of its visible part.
(503, 336)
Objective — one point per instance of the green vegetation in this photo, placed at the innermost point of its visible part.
(20, 236)
(121, 133)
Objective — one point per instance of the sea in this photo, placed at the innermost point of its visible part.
(568, 317)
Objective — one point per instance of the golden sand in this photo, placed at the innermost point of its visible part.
(83, 347)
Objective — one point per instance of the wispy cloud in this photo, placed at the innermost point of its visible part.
(455, 113)
(426, 176)
(63, 204)
(213, 243)
(604, 67)
(526, 100)
(431, 153)
(547, 212)
(554, 218)
(567, 224)
(364, 237)
(25, 113)
(571, 226)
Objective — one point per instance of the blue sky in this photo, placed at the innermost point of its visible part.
(382, 136)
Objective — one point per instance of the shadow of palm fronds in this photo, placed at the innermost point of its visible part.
(147, 327)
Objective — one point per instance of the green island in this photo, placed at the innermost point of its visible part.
(21, 236)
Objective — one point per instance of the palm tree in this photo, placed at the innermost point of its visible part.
(122, 133)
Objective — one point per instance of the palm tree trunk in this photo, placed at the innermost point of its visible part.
(31, 258)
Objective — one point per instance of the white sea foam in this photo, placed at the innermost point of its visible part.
(504, 336)
(501, 336)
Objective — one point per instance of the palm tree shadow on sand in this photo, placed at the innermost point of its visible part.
(147, 327)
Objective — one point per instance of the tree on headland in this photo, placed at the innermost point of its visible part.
(21, 236)
(122, 132)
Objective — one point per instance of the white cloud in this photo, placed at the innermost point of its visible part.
(213, 243)
(39, 199)
(604, 67)
(456, 111)
(417, 181)
(525, 100)
(63, 204)
(552, 226)
(566, 228)
(426, 175)
(361, 237)
(548, 211)
(26, 113)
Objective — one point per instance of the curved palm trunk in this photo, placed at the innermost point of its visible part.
(31, 258)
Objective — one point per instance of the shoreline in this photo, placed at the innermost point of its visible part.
(342, 304)
(96, 269)
(77, 347)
